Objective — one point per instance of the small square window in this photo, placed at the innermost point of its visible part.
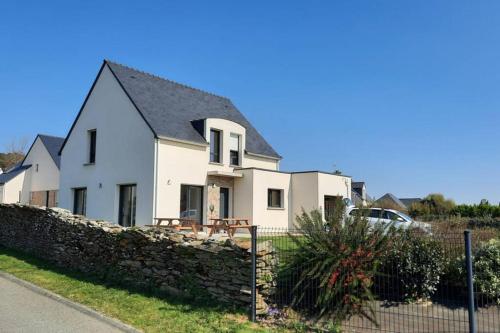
(274, 198)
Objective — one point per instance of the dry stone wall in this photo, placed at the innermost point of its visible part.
(164, 260)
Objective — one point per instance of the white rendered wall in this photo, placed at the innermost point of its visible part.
(125, 154)
(332, 185)
(47, 177)
(305, 193)
(179, 163)
(12, 188)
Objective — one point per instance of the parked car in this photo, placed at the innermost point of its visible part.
(386, 216)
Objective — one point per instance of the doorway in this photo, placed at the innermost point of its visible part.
(224, 203)
(127, 206)
(332, 203)
(192, 202)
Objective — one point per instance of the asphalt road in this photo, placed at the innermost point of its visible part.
(23, 309)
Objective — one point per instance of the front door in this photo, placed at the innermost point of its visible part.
(126, 210)
(224, 203)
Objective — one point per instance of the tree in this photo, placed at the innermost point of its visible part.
(14, 153)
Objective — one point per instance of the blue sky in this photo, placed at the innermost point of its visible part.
(400, 94)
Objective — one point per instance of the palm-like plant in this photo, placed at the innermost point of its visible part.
(335, 264)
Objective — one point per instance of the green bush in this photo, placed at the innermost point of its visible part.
(334, 265)
(412, 268)
(487, 269)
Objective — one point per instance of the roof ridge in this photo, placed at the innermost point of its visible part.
(50, 136)
(168, 80)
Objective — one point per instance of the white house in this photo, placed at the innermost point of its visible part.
(143, 147)
(35, 180)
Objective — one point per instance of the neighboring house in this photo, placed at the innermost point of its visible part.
(359, 195)
(143, 147)
(35, 180)
(389, 200)
(410, 201)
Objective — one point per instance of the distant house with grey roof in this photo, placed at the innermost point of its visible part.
(359, 195)
(35, 180)
(390, 200)
(143, 147)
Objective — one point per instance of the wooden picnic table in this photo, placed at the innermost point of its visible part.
(228, 224)
(182, 224)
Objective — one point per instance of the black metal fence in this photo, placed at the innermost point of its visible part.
(420, 287)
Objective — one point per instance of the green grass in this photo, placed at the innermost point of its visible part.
(141, 310)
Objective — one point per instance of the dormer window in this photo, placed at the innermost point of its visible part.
(234, 149)
(215, 146)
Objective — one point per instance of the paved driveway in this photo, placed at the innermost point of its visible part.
(25, 308)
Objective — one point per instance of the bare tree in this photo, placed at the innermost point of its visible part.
(14, 153)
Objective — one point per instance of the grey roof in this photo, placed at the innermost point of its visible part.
(391, 197)
(357, 184)
(409, 201)
(13, 172)
(53, 144)
(170, 108)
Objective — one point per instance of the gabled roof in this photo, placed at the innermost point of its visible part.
(13, 172)
(409, 201)
(170, 108)
(391, 197)
(53, 144)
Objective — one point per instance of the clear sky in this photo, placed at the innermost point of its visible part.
(401, 94)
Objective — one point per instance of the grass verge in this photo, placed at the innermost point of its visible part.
(141, 310)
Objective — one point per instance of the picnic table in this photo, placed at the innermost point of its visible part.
(182, 224)
(228, 224)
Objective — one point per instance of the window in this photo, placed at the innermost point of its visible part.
(80, 201)
(192, 202)
(215, 146)
(274, 198)
(392, 216)
(234, 149)
(92, 145)
(375, 213)
(127, 208)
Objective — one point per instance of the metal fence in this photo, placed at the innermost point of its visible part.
(454, 303)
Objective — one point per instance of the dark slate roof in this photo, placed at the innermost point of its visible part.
(53, 145)
(13, 172)
(391, 197)
(170, 108)
(409, 201)
(357, 184)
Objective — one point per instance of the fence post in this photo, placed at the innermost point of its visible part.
(253, 308)
(470, 282)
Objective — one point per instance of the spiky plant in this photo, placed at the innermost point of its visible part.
(335, 263)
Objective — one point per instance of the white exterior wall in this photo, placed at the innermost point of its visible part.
(252, 161)
(125, 154)
(305, 193)
(179, 163)
(47, 177)
(12, 188)
(332, 185)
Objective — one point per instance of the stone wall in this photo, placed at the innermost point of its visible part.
(164, 260)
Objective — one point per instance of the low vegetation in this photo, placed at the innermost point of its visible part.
(334, 266)
(145, 311)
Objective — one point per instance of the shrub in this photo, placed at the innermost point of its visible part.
(487, 269)
(335, 264)
(412, 267)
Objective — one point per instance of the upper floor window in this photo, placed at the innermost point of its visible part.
(215, 146)
(234, 149)
(274, 198)
(92, 145)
